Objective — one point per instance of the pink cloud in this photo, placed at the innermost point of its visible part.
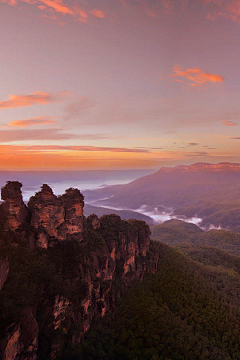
(32, 122)
(229, 123)
(76, 108)
(44, 134)
(219, 8)
(34, 98)
(61, 8)
(168, 4)
(10, 2)
(40, 148)
(58, 6)
(97, 13)
(194, 76)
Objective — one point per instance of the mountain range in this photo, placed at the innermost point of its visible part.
(210, 192)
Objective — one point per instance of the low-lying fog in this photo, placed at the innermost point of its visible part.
(159, 214)
(60, 181)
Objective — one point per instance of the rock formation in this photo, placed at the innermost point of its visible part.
(13, 205)
(21, 340)
(53, 218)
(72, 227)
(96, 259)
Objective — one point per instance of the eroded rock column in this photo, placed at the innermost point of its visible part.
(13, 205)
(47, 214)
(72, 228)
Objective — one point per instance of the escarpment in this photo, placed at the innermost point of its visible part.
(60, 270)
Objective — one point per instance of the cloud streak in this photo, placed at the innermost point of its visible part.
(84, 148)
(194, 76)
(229, 123)
(60, 7)
(44, 134)
(76, 108)
(229, 9)
(35, 98)
(192, 144)
(198, 154)
(32, 122)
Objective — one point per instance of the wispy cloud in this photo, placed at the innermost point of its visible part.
(97, 13)
(229, 9)
(52, 8)
(44, 134)
(192, 144)
(58, 6)
(35, 98)
(83, 148)
(77, 107)
(15, 157)
(197, 154)
(209, 148)
(33, 122)
(61, 8)
(10, 2)
(229, 123)
(194, 76)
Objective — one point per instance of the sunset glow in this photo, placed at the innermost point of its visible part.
(118, 84)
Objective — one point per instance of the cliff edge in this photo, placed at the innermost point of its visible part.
(62, 270)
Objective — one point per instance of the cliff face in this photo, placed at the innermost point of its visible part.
(13, 205)
(85, 268)
(56, 217)
(4, 269)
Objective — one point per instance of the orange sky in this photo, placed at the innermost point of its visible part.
(118, 84)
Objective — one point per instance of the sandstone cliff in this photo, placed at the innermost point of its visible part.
(13, 205)
(66, 270)
(4, 269)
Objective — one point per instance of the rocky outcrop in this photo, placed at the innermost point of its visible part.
(95, 261)
(94, 221)
(55, 217)
(47, 214)
(21, 340)
(13, 205)
(72, 227)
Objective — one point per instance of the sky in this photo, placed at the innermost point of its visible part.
(118, 84)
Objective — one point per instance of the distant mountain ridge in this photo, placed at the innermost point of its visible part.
(208, 191)
(223, 166)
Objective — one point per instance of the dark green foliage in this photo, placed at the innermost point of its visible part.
(179, 313)
(175, 232)
(38, 276)
(124, 214)
(32, 277)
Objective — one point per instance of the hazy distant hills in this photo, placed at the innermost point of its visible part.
(179, 233)
(61, 180)
(210, 191)
(124, 214)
